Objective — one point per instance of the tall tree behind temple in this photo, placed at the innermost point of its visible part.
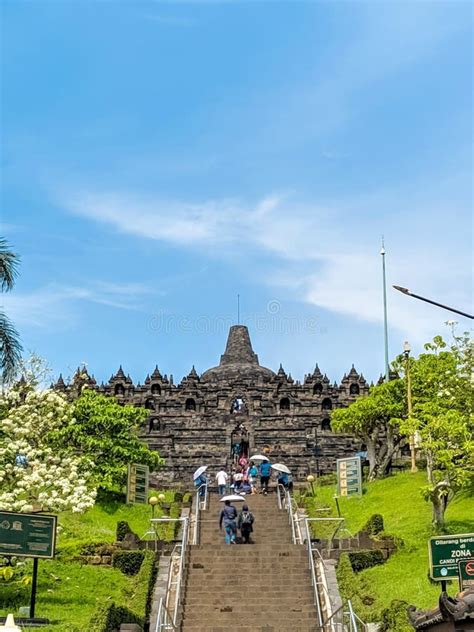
(10, 346)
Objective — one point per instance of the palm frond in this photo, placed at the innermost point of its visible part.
(9, 261)
(10, 350)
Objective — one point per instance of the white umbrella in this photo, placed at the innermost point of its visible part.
(259, 457)
(280, 467)
(233, 498)
(199, 471)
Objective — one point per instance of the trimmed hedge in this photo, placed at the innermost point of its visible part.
(108, 618)
(354, 587)
(144, 581)
(122, 529)
(395, 618)
(97, 548)
(129, 562)
(137, 596)
(374, 524)
(360, 560)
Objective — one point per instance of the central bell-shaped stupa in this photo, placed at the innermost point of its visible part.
(239, 361)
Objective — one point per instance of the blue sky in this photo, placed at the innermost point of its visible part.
(160, 158)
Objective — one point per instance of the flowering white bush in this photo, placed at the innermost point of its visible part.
(34, 469)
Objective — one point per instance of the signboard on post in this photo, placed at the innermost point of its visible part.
(349, 476)
(446, 552)
(137, 483)
(466, 573)
(27, 535)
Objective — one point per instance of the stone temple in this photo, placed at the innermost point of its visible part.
(237, 402)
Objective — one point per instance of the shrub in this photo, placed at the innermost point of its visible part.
(374, 524)
(97, 548)
(360, 560)
(13, 594)
(108, 618)
(123, 528)
(354, 587)
(327, 479)
(129, 562)
(187, 498)
(382, 536)
(395, 618)
(345, 576)
(178, 497)
(140, 597)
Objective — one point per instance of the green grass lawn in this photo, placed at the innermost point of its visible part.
(68, 591)
(99, 523)
(408, 516)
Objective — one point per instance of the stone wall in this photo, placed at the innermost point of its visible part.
(197, 420)
(362, 541)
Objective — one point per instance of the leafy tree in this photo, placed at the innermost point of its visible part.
(10, 346)
(375, 420)
(442, 418)
(107, 432)
(33, 471)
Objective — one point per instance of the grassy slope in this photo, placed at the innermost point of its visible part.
(70, 600)
(69, 592)
(407, 516)
(99, 523)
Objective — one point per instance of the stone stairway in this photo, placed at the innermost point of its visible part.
(264, 586)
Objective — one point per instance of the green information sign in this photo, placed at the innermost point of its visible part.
(349, 476)
(446, 552)
(466, 573)
(27, 535)
(137, 483)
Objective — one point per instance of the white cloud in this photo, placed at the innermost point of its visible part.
(327, 255)
(55, 305)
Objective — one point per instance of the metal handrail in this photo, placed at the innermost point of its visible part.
(280, 505)
(314, 580)
(345, 620)
(200, 504)
(339, 526)
(166, 621)
(290, 505)
(296, 519)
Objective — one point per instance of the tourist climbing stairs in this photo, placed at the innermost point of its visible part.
(263, 586)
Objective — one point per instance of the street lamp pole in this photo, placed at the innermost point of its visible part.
(385, 319)
(406, 353)
(404, 290)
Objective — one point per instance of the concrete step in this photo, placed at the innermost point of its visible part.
(274, 568)
(289, 618)
(218, 547)
(242, 627)
(222, 590)
(299, 582)
(230, 574)
(253, 613)
(301, 597)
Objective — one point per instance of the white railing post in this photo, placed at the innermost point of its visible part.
(164, 619)
(199, 508)
(314, 580)
(352, 617)
(279, 496)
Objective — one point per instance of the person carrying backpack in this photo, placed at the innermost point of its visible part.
(228, 516)
(244, 523)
